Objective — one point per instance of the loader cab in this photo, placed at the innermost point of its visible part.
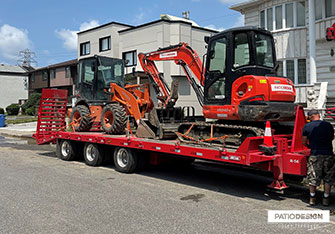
(235, 53)
(95, 76)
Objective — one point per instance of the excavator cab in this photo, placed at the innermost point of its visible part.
(96, 74)
(233, 54)
(240, 75)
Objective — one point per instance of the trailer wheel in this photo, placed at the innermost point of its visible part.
(67, 150)
(125, 160)
(93, 155)
(80, 117)
(113, 119)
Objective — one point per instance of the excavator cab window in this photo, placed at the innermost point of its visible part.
(110, 70)
(264, 56)
(218, 55)
(217, 70)
(86, 80)
(241, 50)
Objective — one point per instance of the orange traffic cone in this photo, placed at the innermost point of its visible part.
(267, 147)
(268, 135)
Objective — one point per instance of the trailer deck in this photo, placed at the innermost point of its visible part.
(289, 158)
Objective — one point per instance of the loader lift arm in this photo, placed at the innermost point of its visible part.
(183, 55)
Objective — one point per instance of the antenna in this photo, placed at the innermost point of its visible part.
(186, 14)
(27, 58)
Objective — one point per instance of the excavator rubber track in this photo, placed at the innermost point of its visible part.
(216, 133)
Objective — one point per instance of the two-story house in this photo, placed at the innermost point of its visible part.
(60, 76)
(124, 41)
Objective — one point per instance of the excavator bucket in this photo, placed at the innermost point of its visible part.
(51, 115)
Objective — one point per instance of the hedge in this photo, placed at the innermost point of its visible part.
(33, 100)
(13, 109)
(2, 111)
(31, 110)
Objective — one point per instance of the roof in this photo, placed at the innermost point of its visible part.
(167, 21)
(11, 69)
(62, 64)
(175, 18)
(104, 25)
(241, 6)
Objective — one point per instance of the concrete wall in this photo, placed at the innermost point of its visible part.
(12, 89)
(93, 37)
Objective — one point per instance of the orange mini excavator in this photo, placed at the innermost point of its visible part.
(237, 87)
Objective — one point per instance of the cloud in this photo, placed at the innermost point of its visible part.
(87, 25)
(69, 37)
(139, 17)
(12, 40)
(231, 1)
(239, 22)
(213, 27)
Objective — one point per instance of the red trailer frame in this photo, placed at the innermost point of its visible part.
(289, 158)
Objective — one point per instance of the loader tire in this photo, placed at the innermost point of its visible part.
(80, 117)
(113, 119)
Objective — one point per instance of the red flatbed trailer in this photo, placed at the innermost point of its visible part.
(289, 158)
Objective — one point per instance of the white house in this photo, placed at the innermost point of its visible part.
(125, 41)
(13, 86)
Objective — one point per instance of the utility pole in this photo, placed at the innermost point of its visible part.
(27, 58)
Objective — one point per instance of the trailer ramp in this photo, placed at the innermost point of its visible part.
(51, 115)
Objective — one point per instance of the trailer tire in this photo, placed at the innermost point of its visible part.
(93, 155)
(113, 119)
(67, 150)
(125, 160)
(80, 118)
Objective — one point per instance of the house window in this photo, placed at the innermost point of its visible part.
(263, 19)
(130, 58)
(290, 69)
(300, 14)
(318, 10)
(302, 71)
(105, 44)
(279, 17)
(294, 69)
(283, 16)
(84, 48)
(289, 15)
(53, 73)
(32, 77)
(280, 71)
(269, 19)
(330, 8)
(67, 72)
(45, 75)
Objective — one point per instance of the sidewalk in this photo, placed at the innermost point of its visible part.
(19, 130)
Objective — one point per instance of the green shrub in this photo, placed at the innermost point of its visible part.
(13, 109)
(33, 100)
(31, 110)
(2, 111)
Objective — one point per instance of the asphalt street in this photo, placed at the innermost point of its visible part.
(42, 194)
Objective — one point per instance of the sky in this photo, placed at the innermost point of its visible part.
(49, 27)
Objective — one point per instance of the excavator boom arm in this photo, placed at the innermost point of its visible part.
(181, 54)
